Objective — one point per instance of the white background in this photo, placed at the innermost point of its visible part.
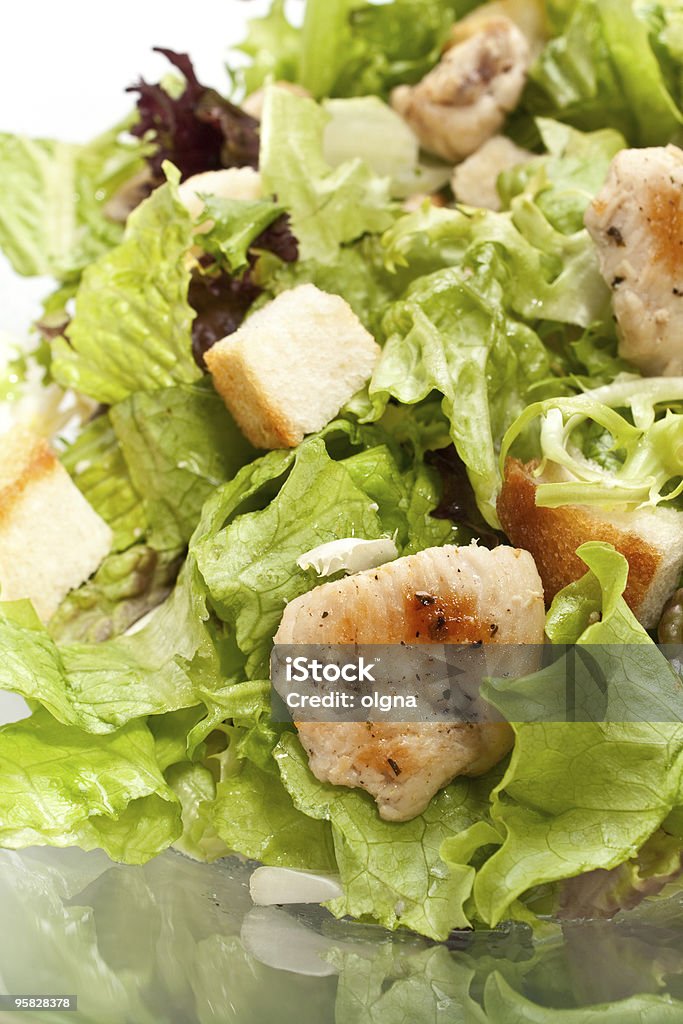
(64, 66)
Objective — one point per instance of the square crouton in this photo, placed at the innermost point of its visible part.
(292, 366)
(51, 539)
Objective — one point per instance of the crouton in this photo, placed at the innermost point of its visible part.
(232, 183)
(650, 539)
(51, 540)
(292, 365)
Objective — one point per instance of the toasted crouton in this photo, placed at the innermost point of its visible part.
(51, 540)
(291, 367)
(650, 539)
(232, 183)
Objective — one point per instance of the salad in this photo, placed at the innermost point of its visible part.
(383, 347)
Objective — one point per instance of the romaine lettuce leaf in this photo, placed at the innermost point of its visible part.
(61, 787)
(101, 688)
(367, 128)
(52, 214)
(327, 206)
(97, 466)
(581, 795)
(126, 586)
(131, 329)
(390, 872)
(602, 71)
(179, 444)
(254, 814)
(250, 565)
(452, 334)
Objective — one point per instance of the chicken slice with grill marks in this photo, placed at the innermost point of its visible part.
(442, 595)
(636, 223)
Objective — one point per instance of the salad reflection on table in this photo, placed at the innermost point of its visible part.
(178, 941)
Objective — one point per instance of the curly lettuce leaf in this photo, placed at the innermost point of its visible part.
(52, 214)
(328, 207)
(563, 183)
(61, 787)
(132, 327)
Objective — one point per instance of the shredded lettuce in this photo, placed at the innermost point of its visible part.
(644, 467)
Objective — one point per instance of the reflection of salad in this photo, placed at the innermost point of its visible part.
(431, 357)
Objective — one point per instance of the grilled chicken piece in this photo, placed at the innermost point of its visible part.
(637, 224)
(442, 595)
(464, 100)
(475, 180)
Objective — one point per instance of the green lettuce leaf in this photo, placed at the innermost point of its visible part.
(273, 44)
(563, 183)
(367, 128)
(101, 688)
(602, 71)
(235, 225)
(348, 47)
(249, 565)
(120, 803)
(126, 586)
(96, 464)
(131, 330)
(582, 795)
(327, 206)
(254, 814)
(451, 334)
(179, 445)
(52, 214)
(390, 871)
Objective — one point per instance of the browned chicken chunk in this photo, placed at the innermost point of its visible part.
(465, 99)
(442, 595)
(636, 223)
